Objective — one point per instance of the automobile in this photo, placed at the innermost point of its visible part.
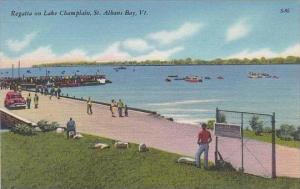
(14, 99)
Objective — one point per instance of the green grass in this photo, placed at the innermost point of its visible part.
(267, 137)
(49, 160)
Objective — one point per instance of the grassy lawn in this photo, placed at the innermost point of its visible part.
(267, 137)
(49, 160)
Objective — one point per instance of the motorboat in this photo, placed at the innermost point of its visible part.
(193, 79)
(220, 77)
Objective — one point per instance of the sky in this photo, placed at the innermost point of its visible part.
(167, 30)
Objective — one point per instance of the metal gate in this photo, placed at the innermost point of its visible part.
(244, 153)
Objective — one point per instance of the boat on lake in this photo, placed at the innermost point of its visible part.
(193, 79)
(120, 68)
(220, 77)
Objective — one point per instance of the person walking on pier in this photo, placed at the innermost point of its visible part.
(58, 92)
(51, 92)
(120, 107)
(28, 100)
(55, 91)
(89, 106)
(113, 108)
(204, 138)
(126, 110)
(36, 101)
(71, 128)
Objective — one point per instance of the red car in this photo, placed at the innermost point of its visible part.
(14, 100)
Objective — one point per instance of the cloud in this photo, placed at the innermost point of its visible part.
(112, 53)
(42, 55)
(16, 45)
(166, 37)
(238, 30)
(159, 54)
(136, 44)
(293, 50)
(117, 51)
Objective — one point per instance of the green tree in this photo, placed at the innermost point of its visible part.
(287, 132)
(256, 125)
(210, 124)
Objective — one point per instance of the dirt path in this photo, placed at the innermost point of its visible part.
(162, 134)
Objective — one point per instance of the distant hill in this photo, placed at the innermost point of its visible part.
(187, 61)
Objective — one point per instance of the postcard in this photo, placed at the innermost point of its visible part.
(150, 94)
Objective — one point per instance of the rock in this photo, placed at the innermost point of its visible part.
(101, 146)
(122, 145)
(37, 129)
(77, 136)
(59, 130)
(143, 148)
(186, 160)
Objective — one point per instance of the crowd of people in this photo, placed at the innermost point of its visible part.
(120, 106)
(49, 90)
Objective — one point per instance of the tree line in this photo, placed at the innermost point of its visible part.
(187, 61)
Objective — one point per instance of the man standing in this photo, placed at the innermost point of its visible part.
(112, 108)
(204, 138)
(36, 101)
(28, 100)
(89, 106)
(120, 107)
(71, 128)
(58, 92)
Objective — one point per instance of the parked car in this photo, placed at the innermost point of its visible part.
(14, 100)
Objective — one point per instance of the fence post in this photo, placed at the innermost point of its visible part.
(242, 135)
(273, 147)
(216, 147)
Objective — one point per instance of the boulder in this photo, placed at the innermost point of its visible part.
(101, 146)
(143, 148)
(186, 160)
(60, 130)
(121, 145)
(77, 136)
(37, 129)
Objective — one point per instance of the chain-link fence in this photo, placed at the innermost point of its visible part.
(252, 151)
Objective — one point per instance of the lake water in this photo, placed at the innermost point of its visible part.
(145, 87)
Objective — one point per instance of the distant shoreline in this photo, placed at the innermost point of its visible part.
(131, 65)
(180, 62)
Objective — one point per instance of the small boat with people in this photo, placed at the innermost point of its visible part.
(220, 77)
(172, 75)
(179, 78)
(193, 79)
(120, 68)
(206, 77)
(254, 75)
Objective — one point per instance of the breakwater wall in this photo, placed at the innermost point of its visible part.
(67, 96)
(8, 119)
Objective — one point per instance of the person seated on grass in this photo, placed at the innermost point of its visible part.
(204, 138)
(71, 128)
